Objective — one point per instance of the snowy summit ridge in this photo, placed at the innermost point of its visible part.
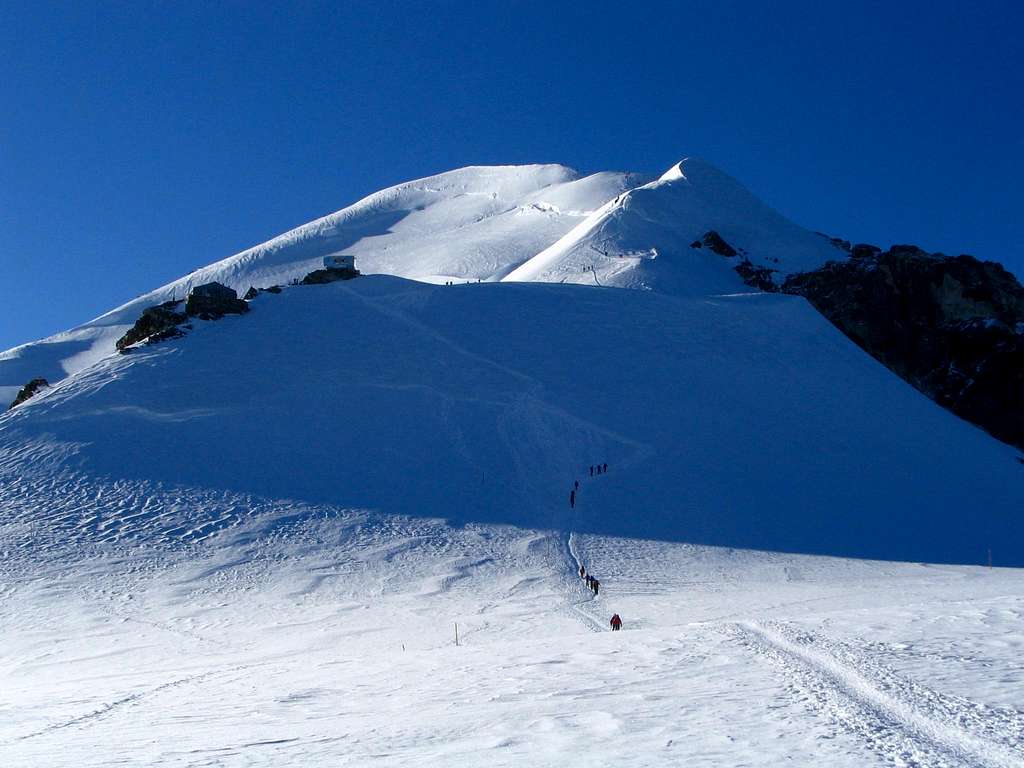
(642, 238)
(517, 223)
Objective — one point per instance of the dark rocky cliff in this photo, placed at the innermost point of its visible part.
(952, 326)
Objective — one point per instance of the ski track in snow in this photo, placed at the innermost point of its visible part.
(283, 644)
(901, 719)
(91, 717)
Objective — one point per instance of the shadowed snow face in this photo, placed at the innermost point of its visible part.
(741, 421)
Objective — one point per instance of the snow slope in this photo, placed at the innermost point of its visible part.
(641, 239)
(252, 545)
(475, 223)
(742, 421)
(330, 642)
(522, 223)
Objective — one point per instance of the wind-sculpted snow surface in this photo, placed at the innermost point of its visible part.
(328, 639)
(738, 421)
(254, 545)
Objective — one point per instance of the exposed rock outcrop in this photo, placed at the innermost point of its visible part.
(753, 275)
(756, 277)
(252, 293)
(864, 251)
(162, 320)
(166, 321)
(329, 275)
(211, 301)
(716, 244)
(840, 243)
(30, 389)
(952, 326)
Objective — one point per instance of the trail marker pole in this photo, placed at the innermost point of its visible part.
(456, 634)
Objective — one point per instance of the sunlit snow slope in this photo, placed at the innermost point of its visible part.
(642, 238)
(471, 224)
(532, 223)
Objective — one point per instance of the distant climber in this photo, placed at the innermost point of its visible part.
(572, 499)
(591, 470)
(577, 486)
(606, 467)
(583, 572)
(599, 469)
(616, 623)
(596, 586)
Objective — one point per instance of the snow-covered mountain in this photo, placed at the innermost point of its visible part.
(541, 222)
(642, 238)
(256, 544)
(733, 409)
(475, 223)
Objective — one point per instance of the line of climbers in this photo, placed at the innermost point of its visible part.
(595, 469)
(593, 584)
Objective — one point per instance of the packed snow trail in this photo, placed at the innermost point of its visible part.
(589, 598)
(900, 719)
(111, 707)
(578, 565)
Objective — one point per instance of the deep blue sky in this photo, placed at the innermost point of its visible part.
(141, 140)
